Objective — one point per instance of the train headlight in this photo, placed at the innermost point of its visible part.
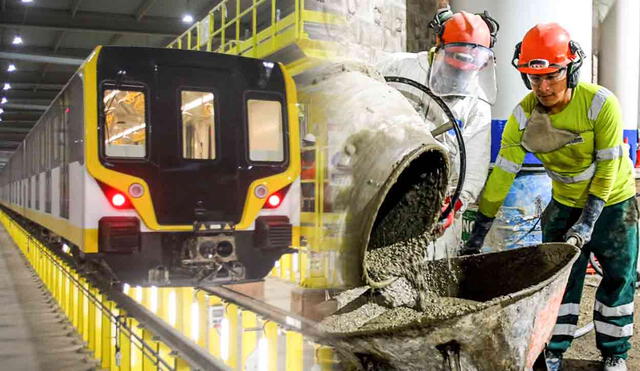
(261, 191)
(136, 190)
(274, 200)
(118, 200)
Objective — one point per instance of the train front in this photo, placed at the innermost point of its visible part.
(197, 155)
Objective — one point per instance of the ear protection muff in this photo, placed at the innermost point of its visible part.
(516, 55)
(439, 20)
(573, 68)
(493, 25)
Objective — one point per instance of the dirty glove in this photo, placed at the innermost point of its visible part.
(581, 231)
(445, 223)
(479, 232)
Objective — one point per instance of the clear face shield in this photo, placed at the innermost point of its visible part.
(460, 69)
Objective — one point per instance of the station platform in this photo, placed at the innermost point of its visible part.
(34, 333)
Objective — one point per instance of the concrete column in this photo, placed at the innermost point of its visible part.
(618, 69)
(419, 13)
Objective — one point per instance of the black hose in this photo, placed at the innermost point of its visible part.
(456, 129)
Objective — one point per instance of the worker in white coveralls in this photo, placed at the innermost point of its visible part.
(461, 70)
(575, 129)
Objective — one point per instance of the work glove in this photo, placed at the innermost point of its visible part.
(448, 221)
(479, 232)
(580, 233)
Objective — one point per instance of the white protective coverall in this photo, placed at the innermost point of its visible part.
(475, 116)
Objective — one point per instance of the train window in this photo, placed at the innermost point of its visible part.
(198, 125)
(265, 130)
(125, 126)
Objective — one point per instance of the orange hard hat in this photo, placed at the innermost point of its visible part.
(545, 48)
(467, 28)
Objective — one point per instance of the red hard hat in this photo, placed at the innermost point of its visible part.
(545, 48)
(468, 28)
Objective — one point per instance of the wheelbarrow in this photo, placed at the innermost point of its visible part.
(500, 310)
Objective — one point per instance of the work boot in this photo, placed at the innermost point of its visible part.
(553, 360)
(614, 364)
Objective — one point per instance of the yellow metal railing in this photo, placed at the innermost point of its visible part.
(118, 341)
(230, 29)
(238, 337)
(260, 30)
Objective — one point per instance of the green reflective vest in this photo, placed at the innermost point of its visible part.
(597, 163)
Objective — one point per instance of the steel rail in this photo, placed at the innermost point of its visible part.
(282, 317)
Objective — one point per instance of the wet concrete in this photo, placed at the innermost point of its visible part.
(410, 207)
(445, 288)
(402, 233)
(435, 302)
(415, 312)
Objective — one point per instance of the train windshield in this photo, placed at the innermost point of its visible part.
(266, 137)
(198, 125)
(125, 123)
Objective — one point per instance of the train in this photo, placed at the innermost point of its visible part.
(166, 166)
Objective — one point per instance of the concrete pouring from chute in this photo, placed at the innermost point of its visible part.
(388, 178)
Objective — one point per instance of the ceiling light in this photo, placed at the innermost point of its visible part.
(17, 40)
(187, 18)
(27, 1)
(1, 110)
(6, 86)
(3, 100)
(11, 68)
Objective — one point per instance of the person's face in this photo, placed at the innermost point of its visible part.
(551, 88)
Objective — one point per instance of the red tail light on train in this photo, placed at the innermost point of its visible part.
(116, 198)
(275, 199)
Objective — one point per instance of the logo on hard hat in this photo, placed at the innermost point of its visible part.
(538, 64)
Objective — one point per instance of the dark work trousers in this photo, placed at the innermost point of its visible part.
(615, 244)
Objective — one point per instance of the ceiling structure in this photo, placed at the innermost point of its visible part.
(57, 35)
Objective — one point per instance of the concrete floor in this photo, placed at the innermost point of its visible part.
(34, 334)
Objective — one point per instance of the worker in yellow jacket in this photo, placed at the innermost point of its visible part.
(575, 129)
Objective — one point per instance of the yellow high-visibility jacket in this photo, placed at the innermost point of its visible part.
(597, 163)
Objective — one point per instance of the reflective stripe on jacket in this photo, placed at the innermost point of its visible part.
(595, 164)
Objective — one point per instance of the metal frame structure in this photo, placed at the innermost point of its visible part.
(270, 32)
